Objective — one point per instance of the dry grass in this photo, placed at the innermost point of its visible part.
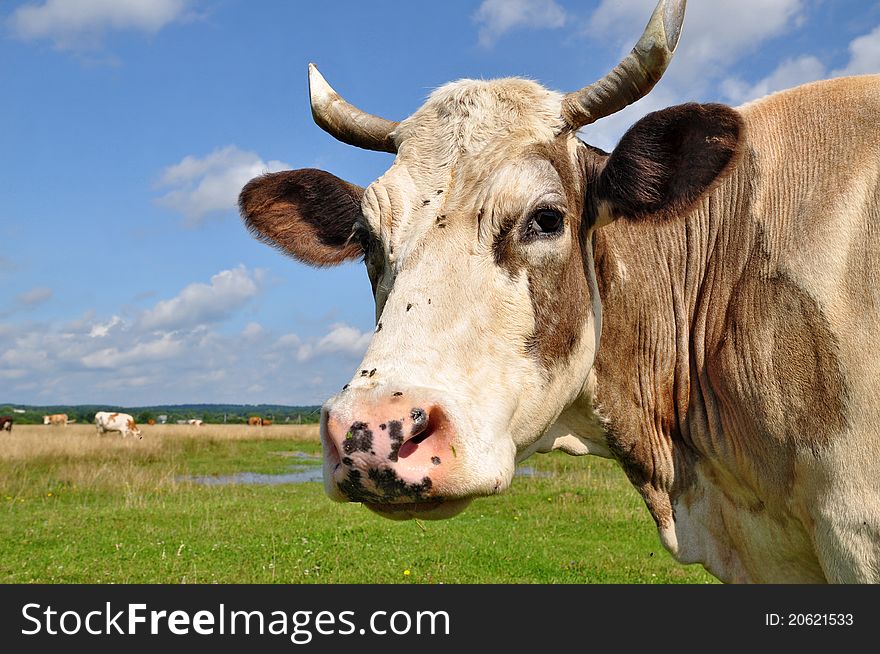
(30, 442)
(46, 457)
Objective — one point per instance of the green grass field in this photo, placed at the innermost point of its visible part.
(82, 509)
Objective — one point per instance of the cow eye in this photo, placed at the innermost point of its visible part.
(546, 222)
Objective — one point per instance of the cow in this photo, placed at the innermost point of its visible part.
(266, 422)
(195, 422)
(56, 419)
(151, 421)
(112, 421)
(6, 423)
(255, 421)
(700, 305)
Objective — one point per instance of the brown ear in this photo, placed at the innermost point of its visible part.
(668, 160)
(308, 214)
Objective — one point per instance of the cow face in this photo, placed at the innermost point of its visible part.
(476, 247)
(477, 242)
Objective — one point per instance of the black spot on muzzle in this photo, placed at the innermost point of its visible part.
(388, 487)
(358, 439)
(395, 433)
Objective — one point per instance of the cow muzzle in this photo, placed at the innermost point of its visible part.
(393, 452)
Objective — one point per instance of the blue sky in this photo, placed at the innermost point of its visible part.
(128, 128)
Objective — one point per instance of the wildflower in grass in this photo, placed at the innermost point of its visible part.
(406, 573)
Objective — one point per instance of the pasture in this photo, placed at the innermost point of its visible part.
(82, 508)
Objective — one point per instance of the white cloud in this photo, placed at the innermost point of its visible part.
(99, 330)
(715, 29)
(289, 340)
(864, 55)
(200, 186)
(35, 296)
(496, 17)
(160, 349)
(40, 363)
(716, 33)
(342, 339)
(864, 58)
(126, 363)
(83, 324)
(200, 303)
(715, 36)
(791, 72)
(80, 24)
(253, 330)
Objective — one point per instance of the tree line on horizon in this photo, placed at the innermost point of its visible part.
(209, 413)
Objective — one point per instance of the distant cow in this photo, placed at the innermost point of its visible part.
(266, 423)
(255, 421)
(195, 422)
(151, 422)
(56, 419)
(121, 422)
(5, 423)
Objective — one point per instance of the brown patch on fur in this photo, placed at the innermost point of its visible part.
(559, 291)
(670, 159)
(308, 214)
(504, 249)
(777, 356)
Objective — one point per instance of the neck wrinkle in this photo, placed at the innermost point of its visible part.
(660, 286)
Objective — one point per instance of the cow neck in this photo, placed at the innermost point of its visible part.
(650, 277)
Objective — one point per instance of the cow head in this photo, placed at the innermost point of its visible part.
(133, 428)
(478, 245)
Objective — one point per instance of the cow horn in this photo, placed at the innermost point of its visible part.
(633, 77)
(346, 122)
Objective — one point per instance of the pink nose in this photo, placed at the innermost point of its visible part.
(391, 450)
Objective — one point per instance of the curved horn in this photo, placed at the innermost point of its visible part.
(346, 122)
(633, 77)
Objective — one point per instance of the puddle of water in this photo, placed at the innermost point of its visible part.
(298, 455)
(297, 475)
(302, 474)
(529, 471)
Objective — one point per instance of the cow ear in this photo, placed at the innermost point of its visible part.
(667, 161)
(307, 214)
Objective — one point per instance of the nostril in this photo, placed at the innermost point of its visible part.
(420, 422)
(424, 426)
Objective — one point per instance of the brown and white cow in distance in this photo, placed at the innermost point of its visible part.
(56, 420)
(113, 421)
(255, 421)
(727, 258)
(6, 423)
